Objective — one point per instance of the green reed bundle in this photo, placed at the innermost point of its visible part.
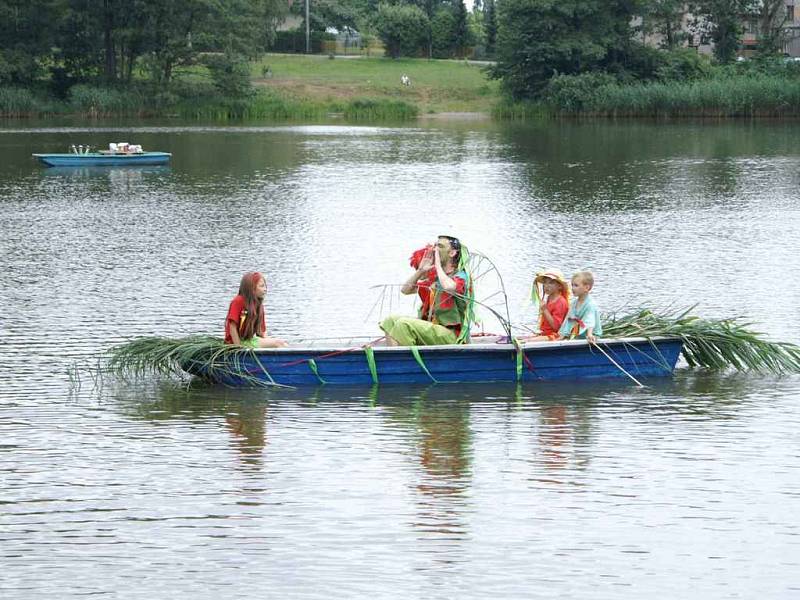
(710, 343)
(174, 356)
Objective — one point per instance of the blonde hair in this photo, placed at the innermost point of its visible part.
(585, 277)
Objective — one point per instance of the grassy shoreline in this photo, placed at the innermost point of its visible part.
(300, 87)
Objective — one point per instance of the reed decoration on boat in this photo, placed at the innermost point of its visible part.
(710, 343)
(173, 356)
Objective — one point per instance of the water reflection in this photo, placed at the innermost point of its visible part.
(439, 425)
(110, 173)
(596, 167)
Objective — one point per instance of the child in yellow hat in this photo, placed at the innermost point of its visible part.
(553, 302)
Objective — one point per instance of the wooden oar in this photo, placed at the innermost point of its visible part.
(616, 364)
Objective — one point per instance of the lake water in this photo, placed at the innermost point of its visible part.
(688, 488)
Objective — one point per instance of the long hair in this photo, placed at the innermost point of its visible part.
(254, 320)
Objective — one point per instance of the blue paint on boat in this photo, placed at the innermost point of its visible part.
(95, 159)
(473, 363)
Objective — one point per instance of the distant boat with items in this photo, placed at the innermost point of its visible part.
(119, 154)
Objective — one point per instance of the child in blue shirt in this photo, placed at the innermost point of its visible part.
(583, 318)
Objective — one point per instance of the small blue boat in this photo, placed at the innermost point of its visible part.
(103, 159)
(488, 359)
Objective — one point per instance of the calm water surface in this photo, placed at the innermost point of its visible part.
(689, 488)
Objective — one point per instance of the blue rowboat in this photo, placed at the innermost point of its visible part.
(103, 159)
(488, 359)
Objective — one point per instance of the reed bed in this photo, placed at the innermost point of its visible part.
(367, 109)
(760, 95)
(260, 106)
(18, 102)
(102, 102)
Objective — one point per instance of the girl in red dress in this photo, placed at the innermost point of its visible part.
(246, 323)
(553, 304)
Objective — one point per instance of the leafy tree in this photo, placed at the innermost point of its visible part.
(666, 18)
(230, 73)
(490, 25)
(443, 26)
(539, 38)
(722, 21)
(461, 32)
(772, 34)
(26, 31)
(402, 28)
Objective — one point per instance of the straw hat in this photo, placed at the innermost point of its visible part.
(551, 274)
(554, 274)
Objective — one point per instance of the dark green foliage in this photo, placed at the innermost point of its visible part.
(665, 18)
(683, 64)
(230, 73)
(538, 39)
(443, 27)
(294, 41)
(379, 110)
(723, 22)
(490, 26)
(402, 28)
(461, 34)
(772, 32)
(576, 93)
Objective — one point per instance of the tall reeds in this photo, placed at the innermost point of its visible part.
(18, 102)
(367, 109)
(755, 95)
(96, 101)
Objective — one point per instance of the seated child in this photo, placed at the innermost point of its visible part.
(553, 304)
(583, 318)
(246, 323)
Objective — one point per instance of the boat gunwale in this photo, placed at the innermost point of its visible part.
(476, 347)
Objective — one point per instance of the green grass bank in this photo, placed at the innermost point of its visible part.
(286, 87)
(316, 88)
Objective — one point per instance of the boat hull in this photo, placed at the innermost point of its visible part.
(95, 159)
(474, 363)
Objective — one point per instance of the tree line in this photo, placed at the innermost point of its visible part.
(63, 42)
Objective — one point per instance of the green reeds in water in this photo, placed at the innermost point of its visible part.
(368, 109)
(19, 102)
(710, 343)
(204, 355)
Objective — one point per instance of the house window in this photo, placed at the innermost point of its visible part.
(790, 13)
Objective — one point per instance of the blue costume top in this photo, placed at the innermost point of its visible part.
(586, 316)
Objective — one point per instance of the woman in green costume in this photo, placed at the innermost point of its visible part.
(444, 286)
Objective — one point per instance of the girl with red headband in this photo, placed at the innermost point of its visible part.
(246, 324)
